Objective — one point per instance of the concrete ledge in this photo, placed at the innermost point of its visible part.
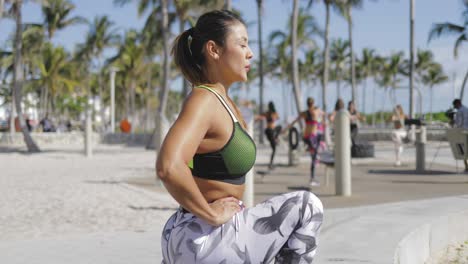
(429, 240)
(77, 138)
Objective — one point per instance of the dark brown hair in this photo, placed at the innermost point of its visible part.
(339, 104)
(188, 48)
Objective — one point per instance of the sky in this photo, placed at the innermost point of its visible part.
(381, 25)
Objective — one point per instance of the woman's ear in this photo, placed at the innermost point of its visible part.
(212, 50)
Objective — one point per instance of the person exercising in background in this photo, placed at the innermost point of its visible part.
(272, 131)
(312, 134)
(354, 119)
(461, 119)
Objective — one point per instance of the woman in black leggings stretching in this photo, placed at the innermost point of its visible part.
(272, 132)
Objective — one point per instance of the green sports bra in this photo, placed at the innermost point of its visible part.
(233, 160)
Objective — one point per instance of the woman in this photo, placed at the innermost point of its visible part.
(399, 132)
(338, 106)
(354, 119)
(312, 134)
(206, 154)
(272, 132)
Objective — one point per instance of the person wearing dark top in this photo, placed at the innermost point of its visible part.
(206, 154)
(272, 131)
(354, 119)
(47, 125)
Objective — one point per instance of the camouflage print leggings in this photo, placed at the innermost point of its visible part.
(284, 227)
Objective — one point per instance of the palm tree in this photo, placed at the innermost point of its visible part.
(18, 78)
(339, 55)
(411, 63)
(101, 35)
(56, 17)
(130, 61)
(294, 57)
(53, 73)
(389, 77)
(165, 77)
(158, 8)
(304, 30)
(432, 77)
(56, 14)
(326, 58)
(311, 67)
(345, 8)
(368, 66)
(260, 64)
(461, 31)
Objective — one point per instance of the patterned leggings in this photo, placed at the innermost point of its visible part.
(284, 227)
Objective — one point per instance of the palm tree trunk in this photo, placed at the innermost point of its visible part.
(295, 66)
(185, 84)
(463, 86)
(364, 90)
(373, 106)
(2, 2)
(353, 62)
(133, 117)
(101, 99)
(260, 66)
(46, 101)
(127, 104)
(159, 132)
(13, 112)
(326, 66)
(147, 114)
(430, 108)
(384, 99)
(18, 79)
(41, 102)
(411, 68)
(338, 88)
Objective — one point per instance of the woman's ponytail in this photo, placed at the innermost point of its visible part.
(185, 58)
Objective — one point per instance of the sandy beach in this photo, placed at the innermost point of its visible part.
(60, 192)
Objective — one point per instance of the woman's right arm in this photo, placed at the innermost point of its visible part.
(178, 148)
(292, 123)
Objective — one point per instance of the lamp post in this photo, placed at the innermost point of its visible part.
(113, 70)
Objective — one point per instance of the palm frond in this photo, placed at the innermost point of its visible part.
(458, 43)
(440, 29)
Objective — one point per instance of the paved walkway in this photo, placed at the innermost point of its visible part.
(387, 203)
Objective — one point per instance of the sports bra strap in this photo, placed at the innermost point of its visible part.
(220, 99)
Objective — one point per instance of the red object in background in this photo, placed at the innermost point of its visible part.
(17, 125)
(125, 126)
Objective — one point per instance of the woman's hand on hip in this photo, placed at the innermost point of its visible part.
(225, 209)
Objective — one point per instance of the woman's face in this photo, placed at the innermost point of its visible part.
(235, 57)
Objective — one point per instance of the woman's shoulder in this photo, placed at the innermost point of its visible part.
(199, 100)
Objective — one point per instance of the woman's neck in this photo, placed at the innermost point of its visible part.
(215, 78)
(218, 87)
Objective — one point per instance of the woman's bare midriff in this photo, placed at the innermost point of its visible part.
(310, 129)
(214, 190)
